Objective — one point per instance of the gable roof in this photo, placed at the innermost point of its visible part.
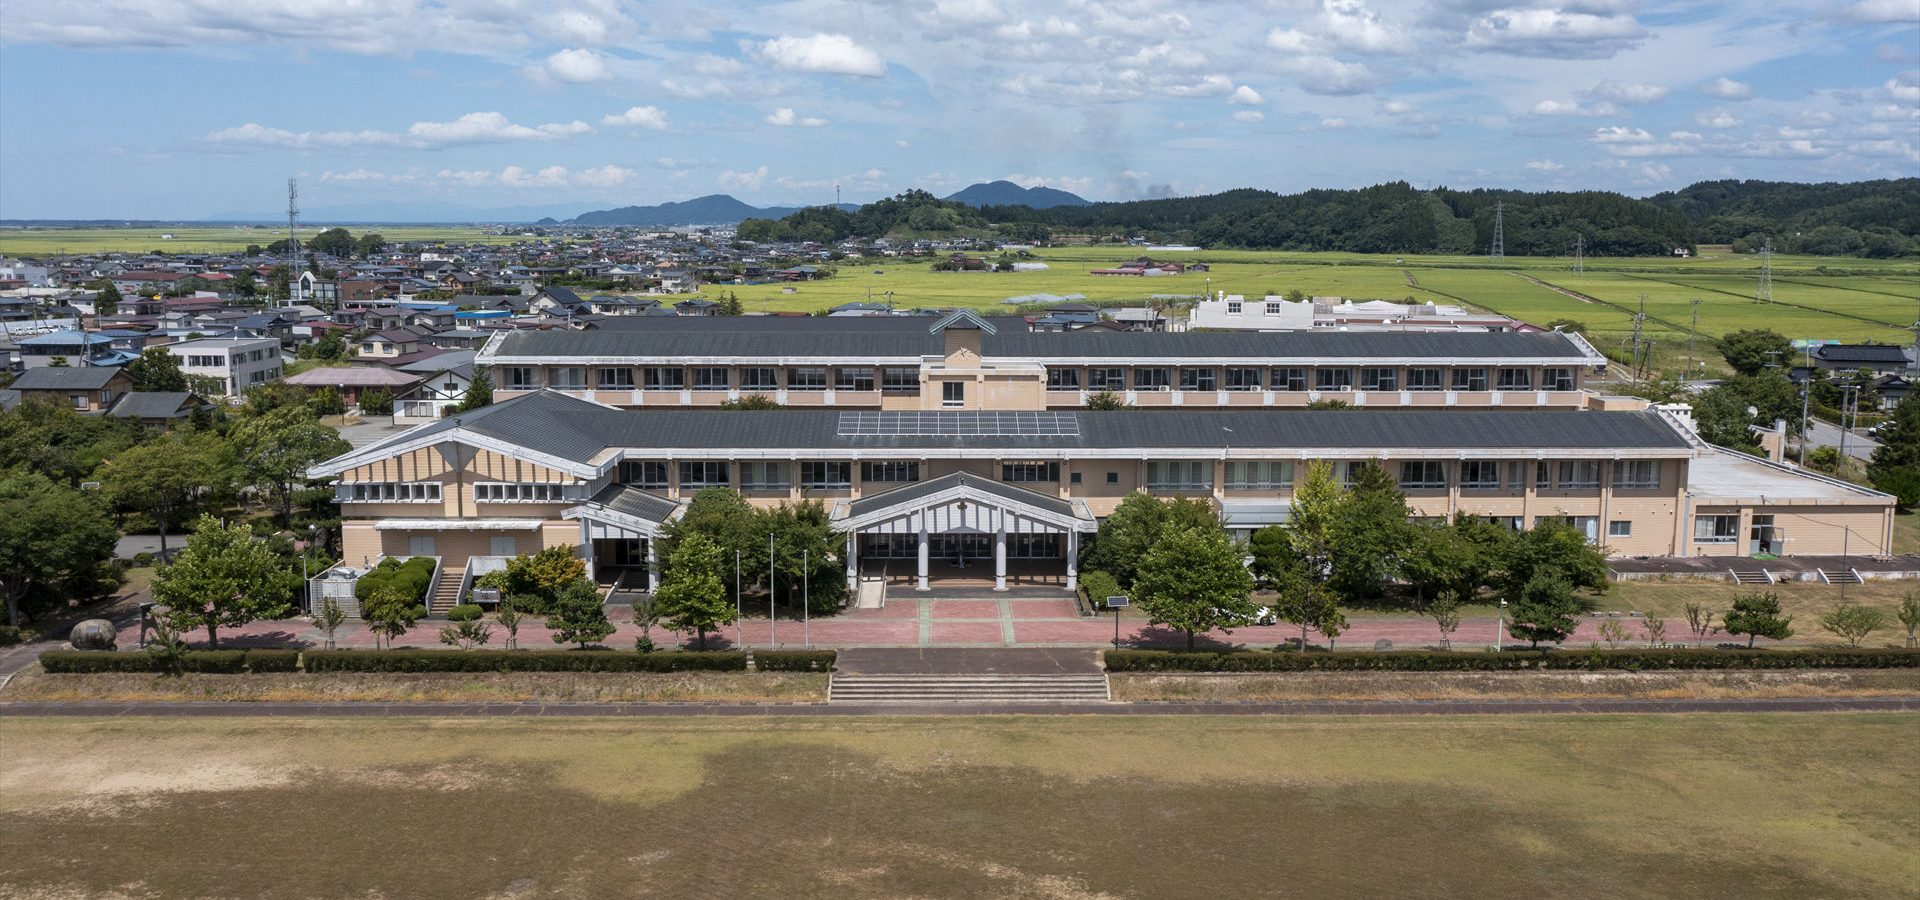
(155, 405)
(65, 378)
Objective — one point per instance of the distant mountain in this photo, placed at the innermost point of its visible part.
(403, 213)
(1006, 193)
(713, 209)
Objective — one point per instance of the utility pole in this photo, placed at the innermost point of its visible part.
(1639, 321)
(1846, 403)
(293, 239)
(1691, 329)
(1806, 397)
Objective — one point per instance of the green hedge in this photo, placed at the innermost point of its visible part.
(412, 576)
(204, 662)
(10, 634)
(1513, 660)
(794, 660)
(522, 661)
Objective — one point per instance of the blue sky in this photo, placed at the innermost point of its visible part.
(191, 108)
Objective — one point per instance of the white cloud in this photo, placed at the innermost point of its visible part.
(1248, 115)
(1068, 183)
(743, 181)
(1398, 107)
(1728, 89)
(1627, 92)
(716, 66)
(695, 90)
(1621, 134)
(1716, 118)
(784, 117)
(1902, 90)
(1352, 26)
(519, 178)
(1207, 86)
(968, 12)
(1883, 11)
(1544, 165)
(472, 128)
(1246, 96)
(638, 117)
(1573, 108)
(1326, 75)
(1333, 123)
(577, 66)
(1555, 33)
(834, 54)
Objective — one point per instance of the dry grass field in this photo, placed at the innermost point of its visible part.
(1781, 806)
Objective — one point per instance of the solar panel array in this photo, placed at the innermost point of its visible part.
(957, 423)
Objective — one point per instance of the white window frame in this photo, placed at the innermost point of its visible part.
(521, 492)
(1430, 476)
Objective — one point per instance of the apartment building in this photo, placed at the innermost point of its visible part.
(236, 363)
(967, 362)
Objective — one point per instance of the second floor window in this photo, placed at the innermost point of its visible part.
(853, 379)
(953, 393)
(1108, 379)
(1243, 379)
(759, 378)
(1199, 379)
(890, 471)
(1179, 475)
(522, 378)
(615, 379)
(1151, 379)
(826, 474)
(1333, 379)
(663, 378)
(1479, 475)
(1516, 379)
(1379, 379)
(1027, 472)
(1423, 474)
(1469, 379)
(1636, 473)
(710, 378)
(1580, 474)
(568, 378)
(1289, 379)
(806, 379)
(1556, 380)
(645, 474)
(763, 475)
(1259, 475)
(900, 381)
(1059, 379)
(1425, 378)
(702, 473)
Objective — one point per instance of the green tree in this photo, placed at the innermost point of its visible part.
(730, 305)
(1725, 411)
(107, 300)
(156, 370)
(1909, 614)
(376, 402)
(333, 242)
(1574, 326)
(1757, 615)
(1699, 620)
(578, 616)
(390, 611)
(328, 618)
(755, 401)
(692, 596)
(479, 392)
(1370, 535)
(369, 244)
(167, 475)
(1895, 467)
(1853, 622)
(54, 440)
(53, 541)
(809, 563)
(1136, 526)
(723, 517)
(1554, 551)
(278, 447)
(1445, 614)
(1105, 400)
(224, 579)
(1752, 350)
(535, 580)
(1192, 579)
(1545, 609)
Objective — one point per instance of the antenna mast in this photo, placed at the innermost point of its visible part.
(1499, 250)
(1765, 293)
(836, 195)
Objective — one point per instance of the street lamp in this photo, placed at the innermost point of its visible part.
(1500, 629)
(773, 619)
(806, 582)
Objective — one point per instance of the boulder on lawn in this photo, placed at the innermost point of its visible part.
(94, 634)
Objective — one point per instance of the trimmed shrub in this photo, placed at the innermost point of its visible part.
(794, 660)
(412, 576)
(1514, 660)
(1098, 586)
(143, 559)
(465, 612)
(86, 662)
(522, 661)
(11, 634)
(273, 660)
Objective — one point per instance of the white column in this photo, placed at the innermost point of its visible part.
(923, 552)
(586, 545)
(999, 549)
(853, 565)
(653, 566)
(1073, 559)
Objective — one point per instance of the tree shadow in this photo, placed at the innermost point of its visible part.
(1160, 637)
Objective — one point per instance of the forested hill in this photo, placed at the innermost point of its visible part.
(1869, 218)
(1872, 218)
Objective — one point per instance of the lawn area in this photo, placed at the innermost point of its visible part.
(1806, 601)
(1748, 806)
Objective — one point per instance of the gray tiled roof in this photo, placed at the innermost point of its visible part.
(152, 405)
(902, 337)
(561, 426)
(917, 490)
(635, 502)
(65, 378)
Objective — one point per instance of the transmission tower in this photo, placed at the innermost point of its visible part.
(1639, 344)
(1691, 330)
(293, 223)
(1499, 250)
(1579, 253)
(1765, 293)
(836, 196)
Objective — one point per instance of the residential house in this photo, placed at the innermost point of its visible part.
(91, 390)
(233, 364)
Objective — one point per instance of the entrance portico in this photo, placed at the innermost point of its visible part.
(618, 527)
(961, 519)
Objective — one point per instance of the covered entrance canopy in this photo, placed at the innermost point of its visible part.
(966, 513)
(619, 525)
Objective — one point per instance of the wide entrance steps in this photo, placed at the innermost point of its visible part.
(1840, 576)
(983, 688)
(1752, 576)
(446, 593)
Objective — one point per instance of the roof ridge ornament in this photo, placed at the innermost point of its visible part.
(962, 318)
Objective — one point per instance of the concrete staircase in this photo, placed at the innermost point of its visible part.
(1840, 576)
(446, 592)
(928, 688)
(1752, 576)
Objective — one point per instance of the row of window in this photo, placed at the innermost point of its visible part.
(713, 378)
(387, 492)
(523, 492)
(1484, 475)
(1235, 378)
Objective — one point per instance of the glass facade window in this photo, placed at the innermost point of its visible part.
(1379, 379)
(953, 393)
(1516, 379)
(665, 378)
(890, 472)
(763, 475)
(1289, 379)
(1580, 474)
(614, 379)
(1479, 475)
(826, 474)
(759, 378)
(853, 379)
(1107, 379)
(1469, 379)
(1179, 475)
(806, 379)
(520, 378)
(696, 474)
(1423, 474)
(645, 474)
(1062, 379)
(388, 492)
(1199, 379)
(1243, 379)
(1151, 379)
(1636, 474)
(711, 378)
(1337, 379)
(1716, 529)
(568, 378)
(1424, 378)
(520, 492)
(1029, 472)
(1556, 380)
(900, 381)
(1260, 475)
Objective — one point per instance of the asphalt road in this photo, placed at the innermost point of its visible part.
(186, 709)
(1824, 435)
